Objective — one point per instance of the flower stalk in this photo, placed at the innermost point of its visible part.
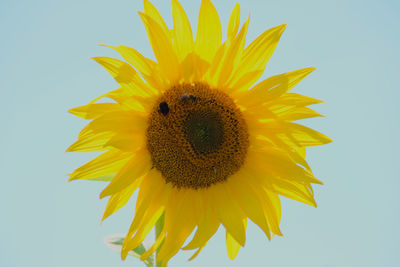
(158, 229)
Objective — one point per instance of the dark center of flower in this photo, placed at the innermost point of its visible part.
(196, 136)
(204, 131)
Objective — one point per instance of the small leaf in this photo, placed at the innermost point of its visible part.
(115, 241)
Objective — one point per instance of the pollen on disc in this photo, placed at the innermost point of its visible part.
(196, 136)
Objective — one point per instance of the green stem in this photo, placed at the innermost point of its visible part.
(158, 229)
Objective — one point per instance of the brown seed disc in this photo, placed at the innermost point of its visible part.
(196, 136)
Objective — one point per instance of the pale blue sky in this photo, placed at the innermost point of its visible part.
(45, 69)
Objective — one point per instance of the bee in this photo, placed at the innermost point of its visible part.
(164, 109)
(186, 98)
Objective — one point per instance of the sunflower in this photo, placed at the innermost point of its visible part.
(191, 132)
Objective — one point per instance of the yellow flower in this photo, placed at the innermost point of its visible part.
(201, 142)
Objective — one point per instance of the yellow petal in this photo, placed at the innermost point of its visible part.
(255, 58)
(290, 189)
(242, 82)
(122, 122)
(267, 199)
(151, 219)
(193, 68)
(152, 186)
(275, 205)
(291, 133)
(277, 163)
(197, 252)
(215, 67)
(155, 208)
(151, 11)
(209, 31)
(305, 136)
(272, 207)
(226, 59)
(143, 64)
(162, 48)
(154, 247)
(93, 111)
(292, 99)
(232, 57)
(228, 211)
(182, 30)
(107, 163)
(118, 200)
(271, 88)
(135, 168)
(286, 132)
(284, 113)
(296, 113)
(207, 227)
(295, 152)
(125, 75)
(232, 247)
(127, 100)
(249, 202)
(178, 230)
(146, 67)
(137, 103)
(127, 142)
(234, 21)
(295, 191)
(112, 94)
(301, 151)
(91, 143)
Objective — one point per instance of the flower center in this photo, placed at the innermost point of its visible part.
(204, 131)
(196, 136)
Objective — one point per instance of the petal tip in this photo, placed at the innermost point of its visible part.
(71, 178)
(73, 111)
(105, 45)
(124, 253)
(97, 59)
(282, 28)
(103, 218)
(312, 69)
(104, 193)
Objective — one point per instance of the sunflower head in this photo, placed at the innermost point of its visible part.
(197, 135)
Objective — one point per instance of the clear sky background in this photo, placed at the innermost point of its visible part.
(45, 70)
